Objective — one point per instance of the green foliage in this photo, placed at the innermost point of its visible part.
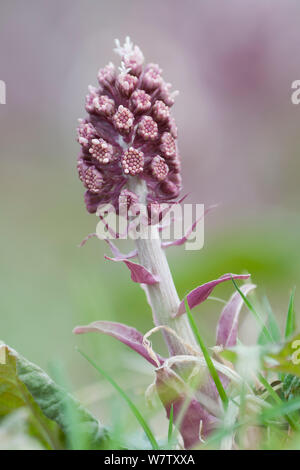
(207, 357)
(271, 325)
(279, 410)
(291, 387)
(265, 331)
(23, 384)
(131, 405)
(287, 357)
(290, 325)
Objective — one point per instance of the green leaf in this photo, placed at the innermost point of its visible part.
(286, 357)
(290, 325)
(269, 389)
(271, 325)
(283, 409)
(207, 357)
(124, 395)
(266, 333)
(25, 384)
(15, 432)
(229, 355)
(277, 399)
(291, 386)
(170, 430)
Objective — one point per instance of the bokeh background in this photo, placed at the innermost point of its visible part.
(233, 63)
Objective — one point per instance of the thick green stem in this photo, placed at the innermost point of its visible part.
(162, 296)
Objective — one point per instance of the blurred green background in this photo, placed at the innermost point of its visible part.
(239, 141)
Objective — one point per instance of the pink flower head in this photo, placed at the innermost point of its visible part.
(168, 145)
(91, 178)
(148, 128)
(106, 76)
(89, 99)
(141, 101)
(85, 132)
(101, 151)
(167, 96)
(123, 119)
(104, 105)
(161, 111)
(133, 161)
(128, 133)
(159, 168)
(127, 83)
(152, 78)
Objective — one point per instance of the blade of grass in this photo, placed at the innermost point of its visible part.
(170, 430)
(207, 357)
(270, 389)
(124, 395)
(265, 330)
(271, 323)
(281, 410)
(290, 325)
(76, 439)
(277, 399)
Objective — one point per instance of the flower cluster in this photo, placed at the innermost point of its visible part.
(129, 132)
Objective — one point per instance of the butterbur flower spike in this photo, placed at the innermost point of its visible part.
(129, 131)
(129, 153)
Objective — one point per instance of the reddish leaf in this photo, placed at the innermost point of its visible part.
(126, 334)
(198, 295)
(117, 253)
(138, 272)
(196, 420)
(227, 328)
